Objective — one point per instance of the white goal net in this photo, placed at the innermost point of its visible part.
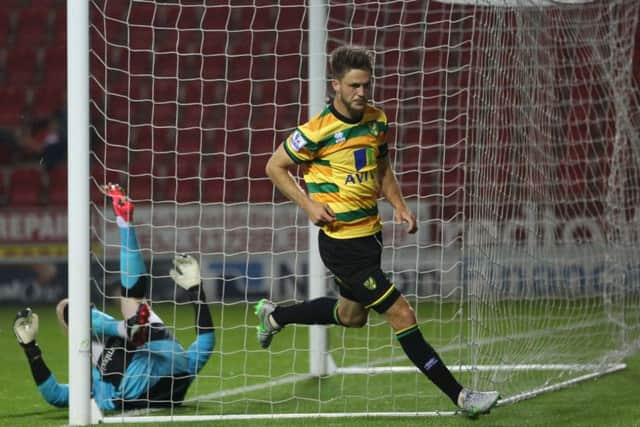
(512, 135)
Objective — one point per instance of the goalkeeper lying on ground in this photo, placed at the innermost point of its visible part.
(137, 363)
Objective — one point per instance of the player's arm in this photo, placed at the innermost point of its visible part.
(25, 327)
(186, 274)
(391, 191)
(278, 171)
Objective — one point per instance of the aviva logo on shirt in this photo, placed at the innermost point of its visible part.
(362, 158)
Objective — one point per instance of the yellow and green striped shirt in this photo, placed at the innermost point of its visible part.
(340, 159)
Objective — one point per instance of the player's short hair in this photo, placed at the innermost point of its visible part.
(346, 58)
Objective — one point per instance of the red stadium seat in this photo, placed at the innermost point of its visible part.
(289, 67)
(238, 92)
(215, 18)
(214, 67)
(57, 188)
(165, 90)
(141, 13)
(239, 68)
(21, 65)
(291, 17)
(189, 65)
(190, 17)
(7, 152)
(190, 116)
(261, 191)
(11, 115)
(47, 100)
(25, 186)
(257, 163)
(165, 64)
(59, 27)
(184, 190)
(101, 176)
(263, 67)
(140, 187)
(55, 76)
(165, 114)
(141, 62)
(212, 190)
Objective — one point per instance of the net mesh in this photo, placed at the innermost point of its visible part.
(511, 135)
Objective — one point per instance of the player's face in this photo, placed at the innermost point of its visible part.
(352, 92)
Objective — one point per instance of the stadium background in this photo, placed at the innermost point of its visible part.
(199, 131)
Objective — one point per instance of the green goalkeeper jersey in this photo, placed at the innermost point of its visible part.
(340, 165)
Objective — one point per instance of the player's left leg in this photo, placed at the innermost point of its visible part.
(402, 319)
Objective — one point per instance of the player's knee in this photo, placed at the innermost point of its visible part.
(354, 320)
(400, 315)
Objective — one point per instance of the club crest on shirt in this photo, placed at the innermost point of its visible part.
(297, 141)
(370, 283)
(373, 128)
(339, 137)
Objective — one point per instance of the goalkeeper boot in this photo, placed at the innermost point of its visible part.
(138, 326)
(266, 330)
(474, 403)
(122, 205)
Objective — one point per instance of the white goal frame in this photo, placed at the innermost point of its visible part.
(81, 409)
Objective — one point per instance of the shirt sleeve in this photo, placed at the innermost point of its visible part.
(200, 350)
(299, 147)
(54, 393)
(383, 128)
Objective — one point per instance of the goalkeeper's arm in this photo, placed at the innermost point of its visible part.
(186, 274)
(25, 327)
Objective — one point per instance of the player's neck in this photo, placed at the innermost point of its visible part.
(342, 113)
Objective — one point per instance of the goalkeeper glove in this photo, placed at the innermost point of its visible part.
(186, 271)
(25, 326)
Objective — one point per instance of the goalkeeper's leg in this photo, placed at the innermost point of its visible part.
(133, 272)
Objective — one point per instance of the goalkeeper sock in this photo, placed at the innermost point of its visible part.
(132, 269)
(320, 311)
(39, 369)
(427, 360)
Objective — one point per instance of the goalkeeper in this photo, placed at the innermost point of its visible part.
(137, 363)
(344, 156)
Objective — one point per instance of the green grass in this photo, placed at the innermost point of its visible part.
(239, 362)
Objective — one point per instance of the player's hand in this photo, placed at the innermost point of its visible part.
(186, 271)
(406, 216)
(320, 214)
(25, 326)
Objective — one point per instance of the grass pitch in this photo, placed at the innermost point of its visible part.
(240, 366)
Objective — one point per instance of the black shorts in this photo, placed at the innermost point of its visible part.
(355, 264)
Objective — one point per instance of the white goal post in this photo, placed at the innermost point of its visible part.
(512, 137)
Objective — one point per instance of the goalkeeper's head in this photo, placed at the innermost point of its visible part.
(62, 313)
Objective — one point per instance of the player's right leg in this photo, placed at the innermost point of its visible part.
(320, 311)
